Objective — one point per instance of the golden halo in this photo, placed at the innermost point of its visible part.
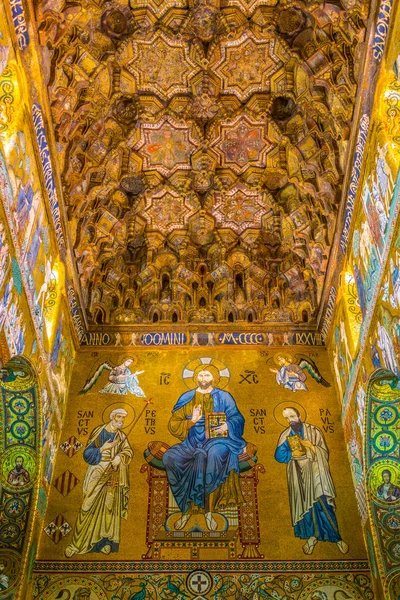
(129, 409)
(278, 416)
(285, 355)
(134, 360)
(215, 366)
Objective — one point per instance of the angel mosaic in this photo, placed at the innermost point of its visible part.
(291, 371)
(121, 380)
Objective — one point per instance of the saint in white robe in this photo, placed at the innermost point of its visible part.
(105, 494)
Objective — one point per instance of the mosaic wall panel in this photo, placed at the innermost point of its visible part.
(31, 221)
(202, 482)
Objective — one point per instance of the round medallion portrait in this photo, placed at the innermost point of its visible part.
(384, 482)
(19, 468)
(9, 569)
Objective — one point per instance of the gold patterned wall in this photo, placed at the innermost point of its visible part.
(133, 520)
(364, 340)
(36, 342)
(184, 164)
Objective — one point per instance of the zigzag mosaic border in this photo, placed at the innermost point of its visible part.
(276, 566)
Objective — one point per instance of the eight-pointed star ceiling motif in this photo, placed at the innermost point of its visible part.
(239, 208)
(166, 210)
(212, 135)
(166, 146)
(242, 144)
(161, 65)
(247, 65)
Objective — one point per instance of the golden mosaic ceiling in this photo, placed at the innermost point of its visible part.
(202, 147)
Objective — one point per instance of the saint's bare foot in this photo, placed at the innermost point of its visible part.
(211, 522)
(180, 524)
(343, 547)
(310, 544)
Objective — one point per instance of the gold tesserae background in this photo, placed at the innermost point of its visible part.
(259, 398)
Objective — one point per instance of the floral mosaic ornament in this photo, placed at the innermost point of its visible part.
(213, 586)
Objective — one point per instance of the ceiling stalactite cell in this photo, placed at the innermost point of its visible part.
(194, 131)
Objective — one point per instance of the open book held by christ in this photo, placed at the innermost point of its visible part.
(214, 420)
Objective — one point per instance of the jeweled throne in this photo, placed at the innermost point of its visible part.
(238, 533)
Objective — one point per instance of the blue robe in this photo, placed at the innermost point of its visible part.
(198, 466)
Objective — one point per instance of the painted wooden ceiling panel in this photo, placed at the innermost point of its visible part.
(201, 146)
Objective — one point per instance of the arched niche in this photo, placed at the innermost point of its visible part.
(20, 451)
(382, 463)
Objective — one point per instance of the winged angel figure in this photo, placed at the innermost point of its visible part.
(291, 372)
(121, 380)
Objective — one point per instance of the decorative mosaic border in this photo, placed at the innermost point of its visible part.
(204, 585)
(20, 429)
(382, 422)
(346, 566)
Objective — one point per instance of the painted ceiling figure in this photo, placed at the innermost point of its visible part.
(203, 469)
(121, 380)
